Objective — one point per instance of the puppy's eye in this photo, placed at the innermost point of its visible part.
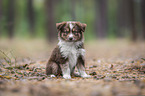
(75, 32)
(65, 31)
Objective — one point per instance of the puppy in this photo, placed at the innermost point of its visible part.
(69, 52)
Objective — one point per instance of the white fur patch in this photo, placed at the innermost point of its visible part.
(66, 73)
(83, 74)
(52, 76)
(69, 50)
(71, 25)
(71, 35)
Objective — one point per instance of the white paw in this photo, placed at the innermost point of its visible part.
(52, 76)
(66, 76)
(77, 74)
(86, 76)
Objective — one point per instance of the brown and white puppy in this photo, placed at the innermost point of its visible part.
(69, 52)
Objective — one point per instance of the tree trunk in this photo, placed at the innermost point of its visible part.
(50, 23)
(11, 5)
(132, 20)
(102, 21)
(0, 17)
(126, 18)
(31, 17)
(143, 17)
(122, 17)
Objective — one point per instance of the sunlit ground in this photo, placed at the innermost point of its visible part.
(117, 67)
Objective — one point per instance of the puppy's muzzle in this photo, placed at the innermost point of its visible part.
(70, 38)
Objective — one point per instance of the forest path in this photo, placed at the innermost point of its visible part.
(117, 68)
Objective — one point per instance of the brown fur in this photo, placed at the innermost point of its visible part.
(53, 65)
(56, 60)
(57, 63)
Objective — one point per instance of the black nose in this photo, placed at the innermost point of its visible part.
(70, 38)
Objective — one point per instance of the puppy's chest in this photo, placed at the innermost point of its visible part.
(72, 53)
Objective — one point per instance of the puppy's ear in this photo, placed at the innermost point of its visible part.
(82, 26)
(59, 25)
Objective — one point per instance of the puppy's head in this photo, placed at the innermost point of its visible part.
(71, 31)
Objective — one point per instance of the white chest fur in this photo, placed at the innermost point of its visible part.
(69, 50)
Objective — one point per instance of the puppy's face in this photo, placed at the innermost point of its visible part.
(71, 31)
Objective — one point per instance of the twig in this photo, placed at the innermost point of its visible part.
(9, 62)
(2, 63)
(13, 57)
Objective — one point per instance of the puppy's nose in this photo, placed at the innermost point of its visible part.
(70, 38)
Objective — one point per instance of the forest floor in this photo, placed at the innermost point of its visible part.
(117, 68)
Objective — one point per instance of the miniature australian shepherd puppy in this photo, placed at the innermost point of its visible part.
(69, 53)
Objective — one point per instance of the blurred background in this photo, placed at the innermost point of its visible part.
(104, 18)
(115, 47)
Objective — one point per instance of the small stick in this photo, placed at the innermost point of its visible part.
(9, 62)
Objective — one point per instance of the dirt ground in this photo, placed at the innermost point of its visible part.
(117, 68)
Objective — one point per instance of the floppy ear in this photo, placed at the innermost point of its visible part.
(59, 25)
(82, 26)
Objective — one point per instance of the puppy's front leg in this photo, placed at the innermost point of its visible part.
(66, 70)
(81, 67)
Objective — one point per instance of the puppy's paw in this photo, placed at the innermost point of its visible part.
(66, 76)
(76, 74)
(86, 76)
(52, 76)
